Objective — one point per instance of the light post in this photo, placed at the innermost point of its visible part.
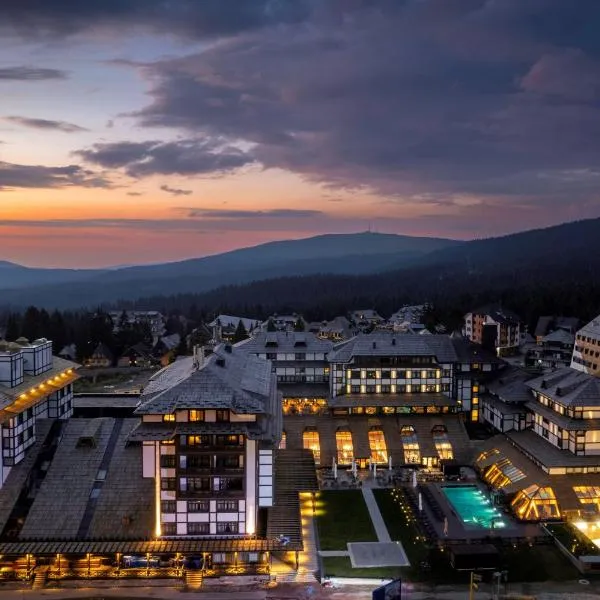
(475, 579)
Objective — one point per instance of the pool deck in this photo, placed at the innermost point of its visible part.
(458, 531)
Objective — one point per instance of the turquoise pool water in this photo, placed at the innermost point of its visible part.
(473, 507)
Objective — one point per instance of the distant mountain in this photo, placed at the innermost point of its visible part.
(544, 271)
(14, 276)
(333, 254)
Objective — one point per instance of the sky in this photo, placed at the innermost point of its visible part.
(144, 131)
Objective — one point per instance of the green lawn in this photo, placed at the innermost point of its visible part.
(537, 563)
(340, 566)
(343, 517)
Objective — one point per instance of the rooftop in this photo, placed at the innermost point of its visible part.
(568, 387)
(592, 328)
(35, 387)
(285, 342)
(228, 379)
(389, 344)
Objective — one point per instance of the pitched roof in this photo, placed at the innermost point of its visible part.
(560, 336)
(388, 344)
(228, 379)
(592, 328)
(285, 342)
(500, 314)
(568, 387)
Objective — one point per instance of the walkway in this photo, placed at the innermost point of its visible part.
(376, 518)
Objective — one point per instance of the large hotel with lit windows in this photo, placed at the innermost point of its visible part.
(34, 386)
(377, 398)
(209, 428)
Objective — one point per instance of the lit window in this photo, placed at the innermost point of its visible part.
(196, 415)
(168, 418)
(283, 441)
(345, 449)
(310, 441)
(378, 448)
(410, 445)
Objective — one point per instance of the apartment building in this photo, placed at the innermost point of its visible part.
(209, 427)
(586, 353)
(494, 327)
(34, 385)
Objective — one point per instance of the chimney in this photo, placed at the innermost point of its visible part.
(228, 348)
(374, 345)
(198, 352)
(220, 361)
(393, 341)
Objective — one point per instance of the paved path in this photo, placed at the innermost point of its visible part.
(376, 518)
(329, 553)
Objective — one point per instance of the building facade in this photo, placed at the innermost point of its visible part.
(586, 353)
(209, 427)
(33, 385)
(495, 328)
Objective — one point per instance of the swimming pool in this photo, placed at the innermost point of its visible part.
(473, 507)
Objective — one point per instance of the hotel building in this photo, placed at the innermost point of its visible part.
(548, 460)
(34, 385)
(379, 396)
(209, 427)
(300, 364)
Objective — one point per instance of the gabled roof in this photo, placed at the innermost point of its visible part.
(228, 379)
(232, 321)
(388, 344)
(568, 387)
(285, 342)
(511, 387)
(560, 336)
(498, 313)
(592, 328)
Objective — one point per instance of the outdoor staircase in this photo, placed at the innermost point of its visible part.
(193, 580)
(39, 579)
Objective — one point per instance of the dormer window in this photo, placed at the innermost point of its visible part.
(222, 416)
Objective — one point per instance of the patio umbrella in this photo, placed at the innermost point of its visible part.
(390, 462)
(334, 469)
(445, 525)
(374, 470)
(414, 478)
(420, 502)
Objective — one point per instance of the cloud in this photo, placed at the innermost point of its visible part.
(63, 126)
(135, 193)
(404, 98)
(175, 191)
(183, 157)
(275, 213)
(25, 73)
(190, 18)
(38, 176)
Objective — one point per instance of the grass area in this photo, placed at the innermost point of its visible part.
(340, 566)
(573, 540)
(537, 563)
(343, 517)
(96, 383)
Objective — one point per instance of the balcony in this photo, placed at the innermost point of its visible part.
(223, 471)
(202, 494)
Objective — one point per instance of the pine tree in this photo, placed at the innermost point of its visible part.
(300, 325)
(240, 333)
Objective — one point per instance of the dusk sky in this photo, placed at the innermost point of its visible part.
(137, 131)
